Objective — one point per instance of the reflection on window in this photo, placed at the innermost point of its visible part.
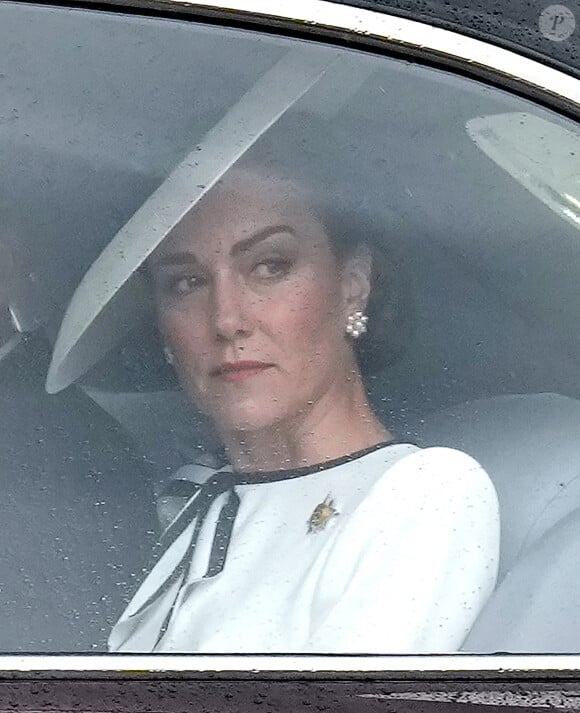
(539, 154)
(281, 348)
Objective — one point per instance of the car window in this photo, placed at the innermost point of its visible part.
(288, 358)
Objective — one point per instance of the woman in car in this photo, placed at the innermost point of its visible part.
(322, 532)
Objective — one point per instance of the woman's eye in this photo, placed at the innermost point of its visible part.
(272, 268)
(183, 285)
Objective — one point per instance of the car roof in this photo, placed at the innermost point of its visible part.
(515, 25)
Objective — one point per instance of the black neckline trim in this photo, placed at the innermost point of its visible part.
(257, 477)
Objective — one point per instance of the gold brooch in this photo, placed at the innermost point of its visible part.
(323, 512)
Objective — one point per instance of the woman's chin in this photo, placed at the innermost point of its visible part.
(255, 417)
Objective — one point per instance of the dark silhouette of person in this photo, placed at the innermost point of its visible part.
(76, 510)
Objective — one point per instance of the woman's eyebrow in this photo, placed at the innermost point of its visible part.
(248, 243)
(188, 258)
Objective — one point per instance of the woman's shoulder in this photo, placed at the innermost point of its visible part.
(437, 472)
(437, 494)
(446, 458)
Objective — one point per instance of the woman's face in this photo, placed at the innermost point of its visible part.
(253, 303)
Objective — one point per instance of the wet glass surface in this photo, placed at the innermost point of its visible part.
(288, 357)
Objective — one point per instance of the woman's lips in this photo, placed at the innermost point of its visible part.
(238, 371)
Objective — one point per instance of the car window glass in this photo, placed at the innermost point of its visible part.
(288, 347)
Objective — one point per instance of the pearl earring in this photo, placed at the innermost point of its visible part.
(168, 354)
(357, 324)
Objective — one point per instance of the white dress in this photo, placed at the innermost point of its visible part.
(391, 550)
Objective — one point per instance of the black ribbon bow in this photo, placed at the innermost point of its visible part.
(198, 505)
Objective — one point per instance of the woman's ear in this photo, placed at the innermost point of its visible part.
(356, 280)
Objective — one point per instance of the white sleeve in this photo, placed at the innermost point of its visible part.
(416, 563)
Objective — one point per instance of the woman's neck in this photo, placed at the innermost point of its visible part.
(336, 425)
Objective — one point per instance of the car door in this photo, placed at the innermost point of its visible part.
(450, 133)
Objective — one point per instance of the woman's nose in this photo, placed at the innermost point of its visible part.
(230, 316)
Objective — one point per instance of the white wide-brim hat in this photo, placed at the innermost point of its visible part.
(112, 297)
